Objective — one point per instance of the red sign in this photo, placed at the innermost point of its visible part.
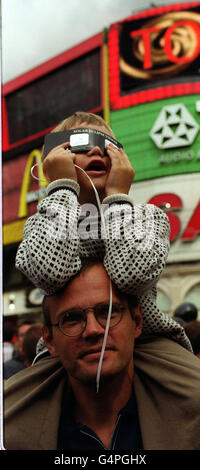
(168, 41)
(155, 55)
(169, 202)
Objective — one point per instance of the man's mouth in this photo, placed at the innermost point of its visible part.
(94, 352)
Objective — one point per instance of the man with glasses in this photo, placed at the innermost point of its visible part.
(75, 334)
(148, 395)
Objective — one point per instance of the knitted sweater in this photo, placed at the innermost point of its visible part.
(134, 244)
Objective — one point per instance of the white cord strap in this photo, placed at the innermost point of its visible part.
(110, 305)
(104, 340)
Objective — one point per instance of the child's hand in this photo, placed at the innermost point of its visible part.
(121, 172)
(59, 163)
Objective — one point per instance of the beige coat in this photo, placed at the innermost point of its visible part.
(167, 387)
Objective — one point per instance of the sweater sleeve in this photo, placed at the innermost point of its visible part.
(49, 252)
(136, 244)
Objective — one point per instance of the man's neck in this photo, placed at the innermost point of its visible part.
(99, 411)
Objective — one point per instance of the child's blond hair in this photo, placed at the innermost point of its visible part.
(80, 117)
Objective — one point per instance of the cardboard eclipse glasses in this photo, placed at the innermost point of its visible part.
(81, 140)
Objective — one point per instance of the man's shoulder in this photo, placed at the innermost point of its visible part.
(157, 344)
(169, 363)
(36, 373)
(32, 401)
(167, 386)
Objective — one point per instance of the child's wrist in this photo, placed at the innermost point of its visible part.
(117, 197)
(63, 183)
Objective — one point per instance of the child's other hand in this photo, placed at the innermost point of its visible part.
(121, 173)
(59, 163)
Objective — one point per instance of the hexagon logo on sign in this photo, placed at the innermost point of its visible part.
(174, 127)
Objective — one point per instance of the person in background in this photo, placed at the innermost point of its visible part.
(17, 363)
(8, 335)
(29, 343)
(185, 313)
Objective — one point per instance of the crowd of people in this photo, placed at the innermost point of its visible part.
(21, 342)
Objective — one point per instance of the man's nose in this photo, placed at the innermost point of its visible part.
(93, 328)
(95, 151)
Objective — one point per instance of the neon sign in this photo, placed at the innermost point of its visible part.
(189, 51)
(155, 55)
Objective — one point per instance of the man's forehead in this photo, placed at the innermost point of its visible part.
(91, 286)
(91, 276)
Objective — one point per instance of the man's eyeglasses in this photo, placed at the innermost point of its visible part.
(73, 322)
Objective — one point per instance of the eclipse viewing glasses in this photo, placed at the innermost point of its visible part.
(81, 140)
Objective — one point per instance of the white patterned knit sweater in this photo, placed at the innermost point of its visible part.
(134, 247)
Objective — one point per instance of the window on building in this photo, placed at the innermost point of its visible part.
(193, 296)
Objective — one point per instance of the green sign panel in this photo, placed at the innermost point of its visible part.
(161, 138)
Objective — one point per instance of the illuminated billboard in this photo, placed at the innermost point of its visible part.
(161, 138)
(154, 55)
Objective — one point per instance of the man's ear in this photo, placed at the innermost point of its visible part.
(48, 339)
(138, 320)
